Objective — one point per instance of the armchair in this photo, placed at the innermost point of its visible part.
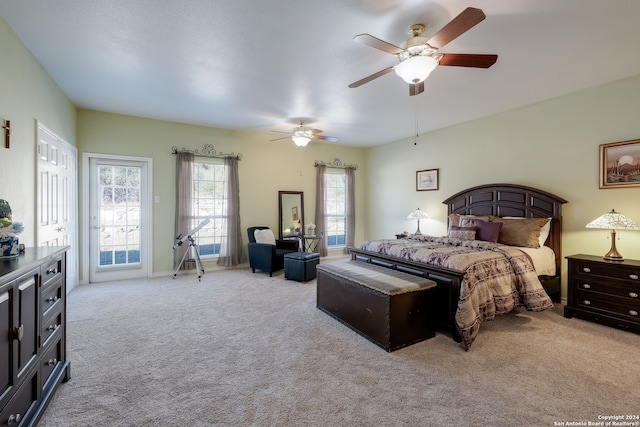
(266, 256)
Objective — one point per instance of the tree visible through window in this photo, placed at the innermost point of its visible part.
(209, 181)
(335, 201)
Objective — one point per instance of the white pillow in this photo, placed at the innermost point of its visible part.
(265, 236)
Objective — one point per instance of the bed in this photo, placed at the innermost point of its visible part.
(466, 297)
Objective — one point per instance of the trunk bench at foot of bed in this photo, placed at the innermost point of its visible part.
(390, 308)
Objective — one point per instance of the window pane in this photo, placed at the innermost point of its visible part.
(335, 208)
(209, 189)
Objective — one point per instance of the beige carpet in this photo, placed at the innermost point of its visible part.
(242, 349)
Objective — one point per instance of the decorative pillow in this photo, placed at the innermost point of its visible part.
(265, 236)
(487, 231)
(462, 233)
(544, 231)
(524, 232)
(457, 219)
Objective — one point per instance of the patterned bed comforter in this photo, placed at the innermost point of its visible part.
(497, 278)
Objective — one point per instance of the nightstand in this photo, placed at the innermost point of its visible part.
(605, 292)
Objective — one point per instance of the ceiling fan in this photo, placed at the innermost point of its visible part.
(419, 55)
(302, 135)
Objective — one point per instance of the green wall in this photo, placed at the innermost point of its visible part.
(27, 94)
(266, 168)
(552, 145)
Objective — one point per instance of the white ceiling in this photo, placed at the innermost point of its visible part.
(261, 65)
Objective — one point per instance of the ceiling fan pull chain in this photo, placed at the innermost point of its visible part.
(415, 140)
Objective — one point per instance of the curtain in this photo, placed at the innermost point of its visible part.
(351, 209)
(320, 223)
(184, 201)
(231, 246)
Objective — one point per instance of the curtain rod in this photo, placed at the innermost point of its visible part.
(207, 151)
(336, 163)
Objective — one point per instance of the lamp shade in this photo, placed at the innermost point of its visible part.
(418, 214)
(416, 68)
(613, 221)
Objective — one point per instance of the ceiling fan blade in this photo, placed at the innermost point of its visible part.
(468, 60)
(415, 89)
(325, 138)
(371, 77)
(278, 139)
(369, 40)
(458, 25)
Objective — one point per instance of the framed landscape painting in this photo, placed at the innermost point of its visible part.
(427, 180)
(620, 164)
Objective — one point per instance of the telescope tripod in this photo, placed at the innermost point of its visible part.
(195, 257)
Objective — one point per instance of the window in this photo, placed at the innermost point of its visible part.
(119, 211)
(335, 201)
(209, 190)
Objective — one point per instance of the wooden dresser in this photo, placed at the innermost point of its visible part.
(33, 358)
(606, 292)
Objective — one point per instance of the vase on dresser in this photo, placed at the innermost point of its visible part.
(9, 247)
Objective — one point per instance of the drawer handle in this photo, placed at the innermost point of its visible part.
(52, 299)
(13, 418)
(586, 286)
(633, 276)
(633, 295)
(633, 312)
(586, 302)
(52, 270)
(18, 332)
(586, 270)
(52, 328)
(52, 362)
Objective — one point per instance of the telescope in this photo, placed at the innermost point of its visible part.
(183, 238)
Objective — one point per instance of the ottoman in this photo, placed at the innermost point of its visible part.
(391, 308)
(301, 266)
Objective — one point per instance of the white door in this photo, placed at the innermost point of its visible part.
(57, 197)
(119, 218)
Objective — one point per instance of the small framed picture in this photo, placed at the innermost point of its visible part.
(620, 164)
(427, 180)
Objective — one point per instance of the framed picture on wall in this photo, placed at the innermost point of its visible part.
(427, 180)
(620, 164)
(294, 213)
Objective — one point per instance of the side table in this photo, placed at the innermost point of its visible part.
(606, 292)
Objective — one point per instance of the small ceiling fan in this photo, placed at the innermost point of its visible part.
(302, 135)
(419, 55)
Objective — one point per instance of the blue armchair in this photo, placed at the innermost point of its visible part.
(268, 257)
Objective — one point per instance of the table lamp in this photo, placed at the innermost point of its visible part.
(418, 214)
(613, 221)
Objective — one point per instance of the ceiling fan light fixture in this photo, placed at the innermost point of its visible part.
(416, 69)
(300, 138)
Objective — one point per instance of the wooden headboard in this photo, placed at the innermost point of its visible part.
(513, 200)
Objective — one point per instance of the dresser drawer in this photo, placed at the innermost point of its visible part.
(22, 404)
(51, 271)
(50, 324)
(608, 270)
(51, 297)
(621, 307)
(612, 287)
(51, 359)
